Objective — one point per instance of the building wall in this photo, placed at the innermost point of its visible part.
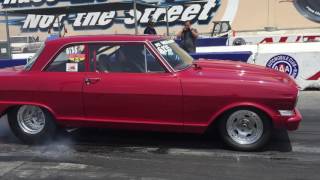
(255, 14)
(245, 15)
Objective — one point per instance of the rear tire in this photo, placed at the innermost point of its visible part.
(245, 129)
(32, 124)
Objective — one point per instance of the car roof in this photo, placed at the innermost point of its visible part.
(105, 38)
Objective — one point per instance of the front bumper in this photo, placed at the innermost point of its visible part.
(290, 123)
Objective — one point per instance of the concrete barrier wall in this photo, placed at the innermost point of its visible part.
(17, 60)
(300, 60)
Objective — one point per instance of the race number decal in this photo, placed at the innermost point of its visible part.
(284, 63)
(163, 47)
(76, 53)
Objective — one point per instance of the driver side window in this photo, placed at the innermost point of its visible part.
(123, 58)
(70, 59)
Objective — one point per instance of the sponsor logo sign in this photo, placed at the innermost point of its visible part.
(284, 63)
(200, 11)
(309, 9)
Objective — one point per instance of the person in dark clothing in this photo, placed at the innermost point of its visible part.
(188, 36)
(150, 28)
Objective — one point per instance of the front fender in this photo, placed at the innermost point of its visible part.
(267, 110)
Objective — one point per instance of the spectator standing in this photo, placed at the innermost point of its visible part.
(188, 36)
(150, 28)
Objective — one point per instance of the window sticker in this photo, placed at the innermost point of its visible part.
(76, 53)
(166, 42)
(71, 67)
(163, 47)
(76, 57)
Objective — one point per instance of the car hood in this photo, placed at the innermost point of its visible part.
(240, 70)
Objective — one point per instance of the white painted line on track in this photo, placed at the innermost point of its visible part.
(6, 167)
(66, 166)
(305, 149)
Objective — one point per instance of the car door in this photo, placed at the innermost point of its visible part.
(61, 83)
(128, 85)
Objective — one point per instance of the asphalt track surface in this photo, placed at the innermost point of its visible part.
(105, 154)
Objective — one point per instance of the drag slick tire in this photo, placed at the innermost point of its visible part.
(245, 129)
(32, 124)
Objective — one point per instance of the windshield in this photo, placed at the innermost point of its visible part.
(19, 40)
(173, 54)
(33, 59)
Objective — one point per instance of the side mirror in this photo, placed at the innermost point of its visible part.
(29, 59)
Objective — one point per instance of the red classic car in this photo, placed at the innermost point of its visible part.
(144, 83)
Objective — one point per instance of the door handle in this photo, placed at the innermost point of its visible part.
(89, 81)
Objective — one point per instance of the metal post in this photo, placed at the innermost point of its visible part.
(8, 35)
(268, 13)
(135, 17)
(167, 20)
(59, 25)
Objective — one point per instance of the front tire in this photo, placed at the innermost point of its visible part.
(32, 124)
(245, 129)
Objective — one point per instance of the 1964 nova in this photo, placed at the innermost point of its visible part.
(144, 83)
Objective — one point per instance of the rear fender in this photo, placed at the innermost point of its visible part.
(6, 106)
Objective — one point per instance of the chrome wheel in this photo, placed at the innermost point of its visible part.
(244, 127)
(31, 119)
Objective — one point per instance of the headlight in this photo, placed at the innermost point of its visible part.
(286, 112)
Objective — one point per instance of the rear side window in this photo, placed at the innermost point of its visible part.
(70, 59)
